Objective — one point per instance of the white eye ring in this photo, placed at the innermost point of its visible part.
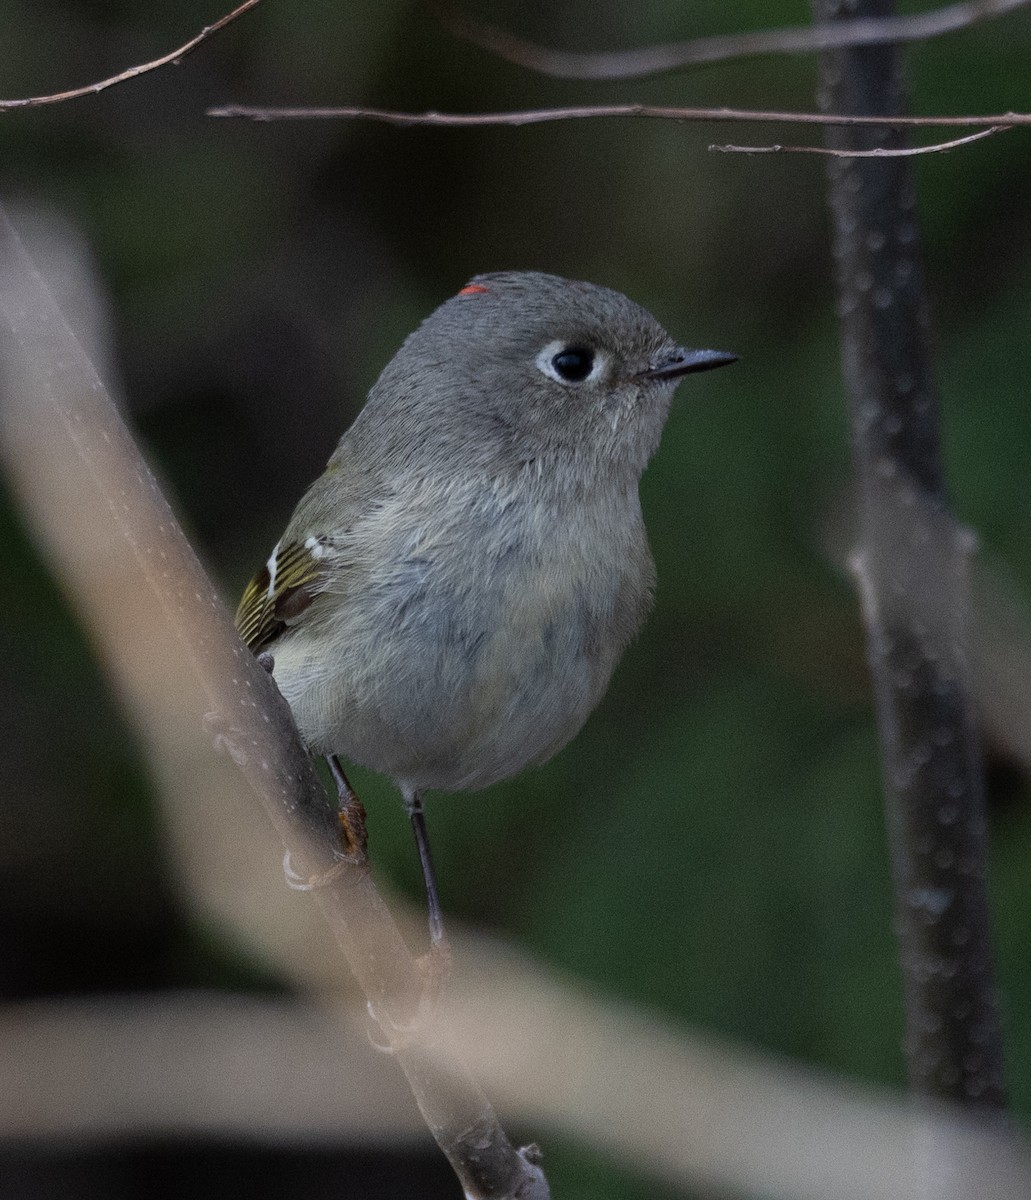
(546, 362)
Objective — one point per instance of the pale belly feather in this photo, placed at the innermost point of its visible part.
(441, 681)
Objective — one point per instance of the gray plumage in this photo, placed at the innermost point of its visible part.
(477, 560)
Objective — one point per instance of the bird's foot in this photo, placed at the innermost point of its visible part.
(434, 968)
(226, 738)
(313, 883)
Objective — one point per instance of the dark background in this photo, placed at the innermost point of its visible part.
(711, 846)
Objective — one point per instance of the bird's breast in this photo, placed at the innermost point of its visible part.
(479, 645)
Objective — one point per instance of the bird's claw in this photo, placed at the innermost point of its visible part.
(435, 969)
(312, 883)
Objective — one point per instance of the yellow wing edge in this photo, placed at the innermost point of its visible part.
(279, 593)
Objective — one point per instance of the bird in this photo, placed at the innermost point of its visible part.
(451, 596)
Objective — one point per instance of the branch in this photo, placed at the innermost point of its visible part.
(701, 1115)
(876, 152)
(132, 72)
(671, 56)
(912, 563)
(100, 513)
(657, 112)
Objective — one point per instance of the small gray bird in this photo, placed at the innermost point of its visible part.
(451, 597)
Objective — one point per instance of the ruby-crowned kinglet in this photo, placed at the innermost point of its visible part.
(451, 597)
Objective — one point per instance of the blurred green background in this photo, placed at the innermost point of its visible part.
(711, 846)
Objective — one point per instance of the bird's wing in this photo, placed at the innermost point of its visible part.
(281, 591)
(317, 553)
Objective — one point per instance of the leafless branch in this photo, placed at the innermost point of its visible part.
(101, 85)
(112, 536)
(671, 56)
(876, 152)
(912, 564)
(692, 1111)
(534, 116)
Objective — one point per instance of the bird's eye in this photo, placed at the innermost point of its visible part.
(573, 363)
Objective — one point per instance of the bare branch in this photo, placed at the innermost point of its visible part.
(174, 58)
(658, 112)
(100, 514)
(876, 152)
(672, 56)
(695, 1112)
(912, 564)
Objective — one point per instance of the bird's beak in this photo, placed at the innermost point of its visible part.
(687, 362)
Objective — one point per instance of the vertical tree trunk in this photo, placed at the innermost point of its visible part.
(912, 560)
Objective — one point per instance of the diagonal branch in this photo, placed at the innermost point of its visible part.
(174, 58)
(672, 56)
(100, 513)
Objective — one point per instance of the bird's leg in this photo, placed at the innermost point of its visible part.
(434, 967)
(353, 835)
(437, 964)
(354, 839)
(413, 806)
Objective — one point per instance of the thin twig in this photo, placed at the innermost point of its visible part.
(670, 56)
(659, 112)
(877, 152)
(132, 72)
